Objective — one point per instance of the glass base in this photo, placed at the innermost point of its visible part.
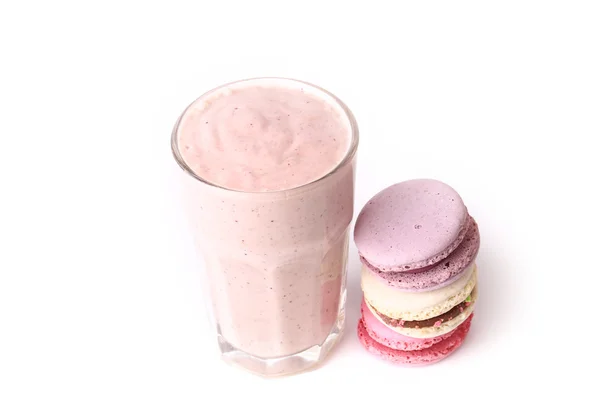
(287, 365)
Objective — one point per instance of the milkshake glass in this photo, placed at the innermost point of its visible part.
(268, 189)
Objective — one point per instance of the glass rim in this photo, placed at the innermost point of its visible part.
(348, 157)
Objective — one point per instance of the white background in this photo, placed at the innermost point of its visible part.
(99, 291)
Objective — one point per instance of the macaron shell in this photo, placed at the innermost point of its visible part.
(392, 339)
(433, 331)
(415, 306)
(430, 355)
(442, 273)
(410, 225)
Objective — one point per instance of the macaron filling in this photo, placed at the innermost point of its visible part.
(390, 338)
(435, 321)
(435, 330)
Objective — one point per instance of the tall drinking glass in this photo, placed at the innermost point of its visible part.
(269, 170)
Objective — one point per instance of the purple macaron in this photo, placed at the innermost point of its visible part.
(417, 235)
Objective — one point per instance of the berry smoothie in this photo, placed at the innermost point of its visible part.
(269, 193)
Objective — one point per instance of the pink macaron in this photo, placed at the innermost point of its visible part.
(430, 355)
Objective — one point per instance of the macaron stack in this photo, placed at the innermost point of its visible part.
(418, 244)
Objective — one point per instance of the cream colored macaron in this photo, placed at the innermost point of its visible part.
(437, 329)
(415, 306)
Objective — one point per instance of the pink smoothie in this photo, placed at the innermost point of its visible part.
(271, 218)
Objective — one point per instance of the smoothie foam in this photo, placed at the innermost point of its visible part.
(263, 138)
